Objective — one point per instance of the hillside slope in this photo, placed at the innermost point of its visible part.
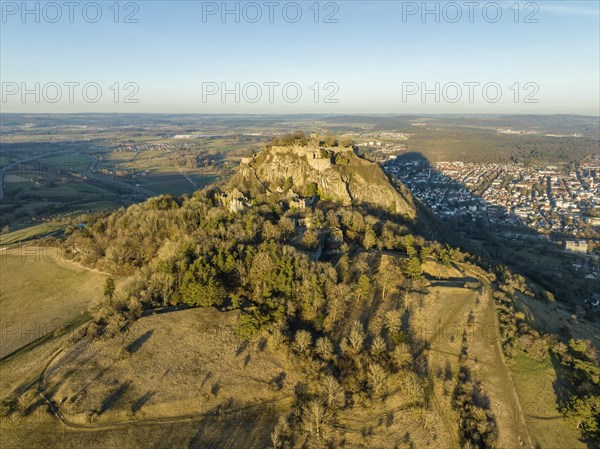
(251, 315)
(339, 174)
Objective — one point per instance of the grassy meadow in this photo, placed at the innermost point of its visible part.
(39, 292)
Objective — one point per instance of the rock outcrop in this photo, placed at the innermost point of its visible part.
(338, 172)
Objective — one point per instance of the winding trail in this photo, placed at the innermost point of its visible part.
(93, 427)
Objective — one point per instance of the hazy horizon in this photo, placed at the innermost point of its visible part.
(302, 57)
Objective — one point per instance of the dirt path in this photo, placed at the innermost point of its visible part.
(437, 347)
(68, 424)
(485, 354)
(495, 374)
(503, 371)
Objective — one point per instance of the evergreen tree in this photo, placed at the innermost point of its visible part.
(109, 289)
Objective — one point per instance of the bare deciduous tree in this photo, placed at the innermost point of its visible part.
(356, 338)
(412, 387)
(334, 393)
(313, 418)
(378, 348)
(388, 279)
(392, 320)
(279, 432)
(377, 378)
(401, 356)
(324, 348)
(303, 341)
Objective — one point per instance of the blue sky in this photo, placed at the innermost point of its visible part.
(376, 57)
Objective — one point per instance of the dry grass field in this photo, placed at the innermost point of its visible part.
(395, 422)
(180, 363)
(555, 318)
(489, 365)
(39, 292)
(182, 374)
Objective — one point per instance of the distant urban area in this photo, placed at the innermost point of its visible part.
(549, 199)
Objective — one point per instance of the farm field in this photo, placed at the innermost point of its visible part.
(58, 174)
(29, 233)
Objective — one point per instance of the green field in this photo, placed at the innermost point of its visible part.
(66, 161)
(535, 381)
(29, 233)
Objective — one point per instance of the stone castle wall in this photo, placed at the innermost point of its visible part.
(320, 164)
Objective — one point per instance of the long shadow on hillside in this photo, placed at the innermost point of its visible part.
(228, 424)
(562, 387)
(141, 401)
(138, 342)
(114, 396)
(491, 231)
(495, 242)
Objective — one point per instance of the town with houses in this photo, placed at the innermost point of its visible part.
(559, 207)
(554, 201)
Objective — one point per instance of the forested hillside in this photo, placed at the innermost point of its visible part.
(261, 260)
(369, 334)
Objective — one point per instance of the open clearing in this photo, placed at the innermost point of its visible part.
(554, 318)
(534, 381)
(29, 233)
(187, 362)
(178, 379)
(39, 292)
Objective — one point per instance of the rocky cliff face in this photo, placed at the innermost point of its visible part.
(338, 172)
